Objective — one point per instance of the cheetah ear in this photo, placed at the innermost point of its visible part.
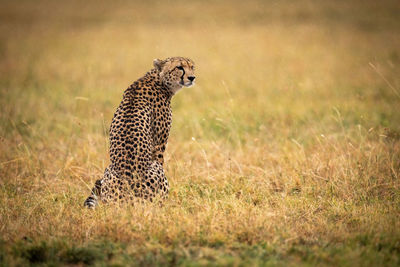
(158, 64)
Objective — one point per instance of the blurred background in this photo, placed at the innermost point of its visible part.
(269, 62)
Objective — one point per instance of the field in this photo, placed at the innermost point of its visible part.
(285, 153)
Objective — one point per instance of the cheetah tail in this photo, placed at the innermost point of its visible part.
(91, 202)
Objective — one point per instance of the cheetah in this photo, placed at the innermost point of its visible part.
(139, 133)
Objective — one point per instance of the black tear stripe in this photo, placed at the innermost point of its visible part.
(182, 69)
(183, 74)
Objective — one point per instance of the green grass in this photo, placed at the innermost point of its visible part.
(361, 251)
(285, 153)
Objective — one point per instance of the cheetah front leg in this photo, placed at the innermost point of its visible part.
(154, 184)
(158, 154)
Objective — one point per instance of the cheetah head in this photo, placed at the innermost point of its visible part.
(175, 72)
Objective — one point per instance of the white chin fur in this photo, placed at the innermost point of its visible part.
(176, 89)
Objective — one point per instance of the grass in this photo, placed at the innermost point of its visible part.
(286, 152)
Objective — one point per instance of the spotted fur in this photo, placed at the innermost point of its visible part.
(139, 134)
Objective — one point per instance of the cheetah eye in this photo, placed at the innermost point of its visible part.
(180, 68)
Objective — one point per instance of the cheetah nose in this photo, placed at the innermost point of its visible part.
(191, 78)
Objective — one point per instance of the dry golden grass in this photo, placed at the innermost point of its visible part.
(286, 152)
